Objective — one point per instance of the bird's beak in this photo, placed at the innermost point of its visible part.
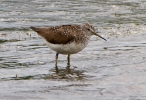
(98, 35)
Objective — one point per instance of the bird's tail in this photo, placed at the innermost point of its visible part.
(34, 28)
(40, 31)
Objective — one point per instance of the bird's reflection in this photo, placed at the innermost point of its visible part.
(68, 72)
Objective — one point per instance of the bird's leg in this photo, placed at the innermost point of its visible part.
(68, 59)
(56, 60)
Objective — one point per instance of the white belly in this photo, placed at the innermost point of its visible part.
(68, 48)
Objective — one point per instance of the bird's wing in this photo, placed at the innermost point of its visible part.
(63, 34)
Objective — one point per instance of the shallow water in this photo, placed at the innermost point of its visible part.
(103, 70)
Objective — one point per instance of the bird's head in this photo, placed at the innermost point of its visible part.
(91, 31)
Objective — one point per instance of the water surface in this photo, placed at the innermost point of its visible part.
(105, 70)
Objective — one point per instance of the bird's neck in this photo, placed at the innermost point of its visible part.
(83, 40)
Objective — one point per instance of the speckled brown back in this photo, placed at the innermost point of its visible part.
(60, 34)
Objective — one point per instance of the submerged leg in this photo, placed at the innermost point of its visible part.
(68, 59)
(56, 60)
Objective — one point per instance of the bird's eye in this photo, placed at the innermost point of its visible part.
(88, 29)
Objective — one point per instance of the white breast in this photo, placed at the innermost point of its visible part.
(70, 48)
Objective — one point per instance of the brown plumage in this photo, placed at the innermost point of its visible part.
(60, 34)
(67, 39)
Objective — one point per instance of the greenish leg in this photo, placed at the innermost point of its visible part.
(68, 59)
(56, 61)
